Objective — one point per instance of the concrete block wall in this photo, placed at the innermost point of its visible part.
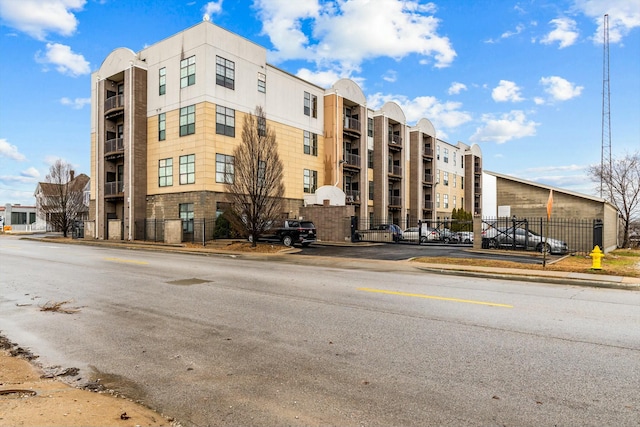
(333, 223)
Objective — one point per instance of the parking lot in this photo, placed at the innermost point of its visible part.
(403, 251)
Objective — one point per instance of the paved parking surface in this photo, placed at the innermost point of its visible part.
(403, 251)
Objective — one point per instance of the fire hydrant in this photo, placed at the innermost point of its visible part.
(596, 256)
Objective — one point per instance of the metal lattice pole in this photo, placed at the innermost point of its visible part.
(605, 159)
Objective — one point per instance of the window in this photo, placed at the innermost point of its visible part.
(454, 158)
(438, 152)
(225, 72)
(310, 105)
(165, 172)
(454, 202)
(162, 78)
(446, 155)
(370, 159)
(262, 83)
(188, 71)
(310, 143)
(225, 121)
(455, 180)
(462, 182)
(446, 201)
(262, 126)
(370, 190)
(188, 120)
(186, 215)
(437, 200)
(437, 176)
(162, 126)
(446, 178)
(370, 126)
(188, 169)
(310, 181)
(225, 168)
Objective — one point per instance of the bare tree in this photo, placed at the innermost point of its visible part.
(60, 199)
(621, 186)
(255, 186)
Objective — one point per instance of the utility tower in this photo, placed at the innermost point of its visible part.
(605, 159)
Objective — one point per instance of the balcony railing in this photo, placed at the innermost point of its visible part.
(113, 145)
(352, 159)
(395, 201)
(428, 178)
(116, 101)
(428, 151)
(352, 196)
(428, 205)
(395, 139)
(352, 124)
(395, 170)
(113, 188)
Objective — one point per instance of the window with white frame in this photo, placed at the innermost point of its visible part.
(188, 120)
(162, 81)
(225, 171)
(225, 72)
(310, 181)
(310, 143)
(446, 200)
(454, 202)
(162, 126)
(165, 172)
(225, 121)
(188, 71)
(310, 105)
(188, 169)
(455, 180)
(437, 200)
(262, 82)
(446, 155)
(445, 178)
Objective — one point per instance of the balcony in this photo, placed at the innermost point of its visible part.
(428, 179)
(113, 146)
(395, 201)
(114, 189)
(427, 152)
(352, 160)
(428, 205)
(395, 171)
(395, 141)
(352, 125)
(352, 197)
(114, 103)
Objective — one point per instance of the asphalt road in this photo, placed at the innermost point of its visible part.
(222, 340)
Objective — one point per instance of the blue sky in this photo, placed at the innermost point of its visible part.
(521, 79)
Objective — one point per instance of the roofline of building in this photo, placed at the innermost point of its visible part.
(548, 187)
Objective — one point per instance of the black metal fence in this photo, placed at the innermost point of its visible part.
(580, 235)
(197, 230)
(411, 231)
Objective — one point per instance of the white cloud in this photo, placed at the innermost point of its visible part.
(212, 8)
(30, 173)
(508, 126)
(443, 115)
(624, 16)
(506, 91)
(565, 32)
(40, 17)
(66, 61)
(538, 100)
(77, 103)
(10, 151)
(456, 88)
(324, 78)
(559, 88)
(345, 33)
(390, 76)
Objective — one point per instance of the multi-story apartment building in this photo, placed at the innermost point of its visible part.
(165, 121)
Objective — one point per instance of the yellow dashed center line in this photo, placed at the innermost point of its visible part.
(129, 261)
(407, 294)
